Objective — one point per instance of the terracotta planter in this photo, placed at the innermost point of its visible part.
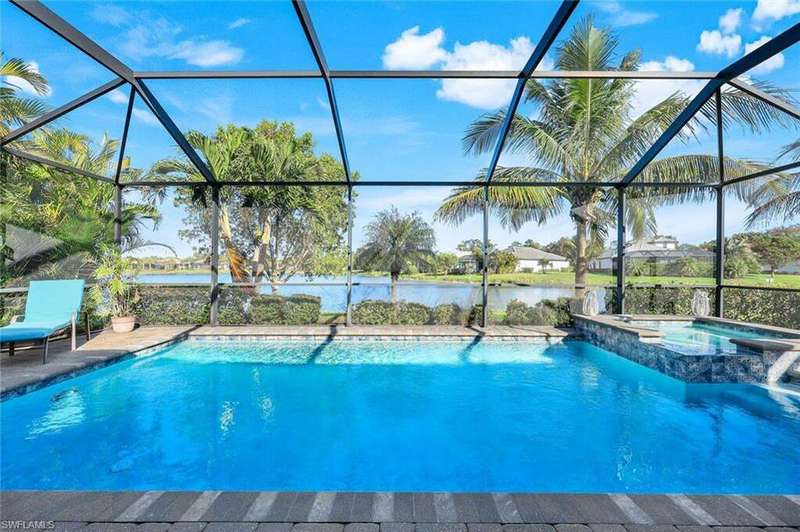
(123, 324)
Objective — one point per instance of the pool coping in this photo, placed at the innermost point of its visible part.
(396, 511)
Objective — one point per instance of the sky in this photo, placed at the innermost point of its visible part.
(395, 129)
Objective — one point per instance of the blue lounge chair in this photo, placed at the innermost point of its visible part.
(51, 307)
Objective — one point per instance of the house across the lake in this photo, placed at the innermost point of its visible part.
(535, 260)
(658, 249)
(531, 260)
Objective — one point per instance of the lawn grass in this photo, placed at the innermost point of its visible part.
(596, 279)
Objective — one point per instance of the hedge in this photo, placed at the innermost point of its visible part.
(771, 307)
(372, 312)
(448, 314)
(232, 306)
(546, 312)
(554, 312)
(272, 309)
(162, 305)
(675, 300)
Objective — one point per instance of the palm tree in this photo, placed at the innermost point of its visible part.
(397, 243)
(776, 197)
(267, 232)
(585, 131)
(16, 110)
(77, 212)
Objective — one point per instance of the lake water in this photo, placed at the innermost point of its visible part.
(334, 298)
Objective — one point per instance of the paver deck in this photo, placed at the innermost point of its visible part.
(400, 512)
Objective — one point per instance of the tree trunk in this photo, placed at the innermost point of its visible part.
(235, 260)
(395, 276)
(581, 264)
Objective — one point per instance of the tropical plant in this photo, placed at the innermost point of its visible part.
(585, 130)
(396, 243)
(113, 275)
(268, 233)
(16, 110)
(73, 214)
(775, 198)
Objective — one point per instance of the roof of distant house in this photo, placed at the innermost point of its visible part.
(644, 250)
(528, 253)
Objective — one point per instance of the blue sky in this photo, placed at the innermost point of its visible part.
(395, 129)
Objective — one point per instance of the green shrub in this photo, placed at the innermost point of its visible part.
(232, 303)
(267, 309)
(371, 312)
(410, 314)
(301, 309)
(274, 309)
(770, 307)
(553, 312)
(557, 312)
(12, 304)
(475, 316)
(447, 314)
(674, 300)
(162, 305)
(517, 313)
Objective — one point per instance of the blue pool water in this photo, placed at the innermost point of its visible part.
(351, 415)
(703, 337)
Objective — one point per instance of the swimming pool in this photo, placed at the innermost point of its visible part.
(400, 416)
(701, 337)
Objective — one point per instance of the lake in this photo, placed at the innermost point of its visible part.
(334, 298)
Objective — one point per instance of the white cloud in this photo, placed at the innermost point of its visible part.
(482, 55)
(714, 42)
(110, 14)
(730, 21)
(207, 54)
(145, 37)
(414, 51)
(23, 85)
(323, 103)
(652, 92)
(773, 63)
(145, 117)
(142, 115)
(239, 22)
(117, 96)
(775, 9)
(621, 17)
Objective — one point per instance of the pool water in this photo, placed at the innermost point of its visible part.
(400, 416)
(703, 337)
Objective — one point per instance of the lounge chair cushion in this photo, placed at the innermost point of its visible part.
(49, 306)
(33, 330)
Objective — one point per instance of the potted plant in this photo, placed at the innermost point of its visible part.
(113, 274)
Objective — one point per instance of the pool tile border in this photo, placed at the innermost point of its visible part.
(434, 512)
(254, 338)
